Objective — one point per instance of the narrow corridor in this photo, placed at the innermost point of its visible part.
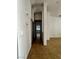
(51, 51)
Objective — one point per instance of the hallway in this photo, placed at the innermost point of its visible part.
(51, 51)
(39, 19)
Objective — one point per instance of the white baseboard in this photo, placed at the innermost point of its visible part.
(26, 56)
(54, 37)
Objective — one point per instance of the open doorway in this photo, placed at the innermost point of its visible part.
(37, 28)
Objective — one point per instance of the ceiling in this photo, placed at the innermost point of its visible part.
(53, 6)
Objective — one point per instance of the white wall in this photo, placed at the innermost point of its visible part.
(36, 8)
(24, 28)
(54, 26)
(45, 21)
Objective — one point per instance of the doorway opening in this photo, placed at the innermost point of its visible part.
(37, 28)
